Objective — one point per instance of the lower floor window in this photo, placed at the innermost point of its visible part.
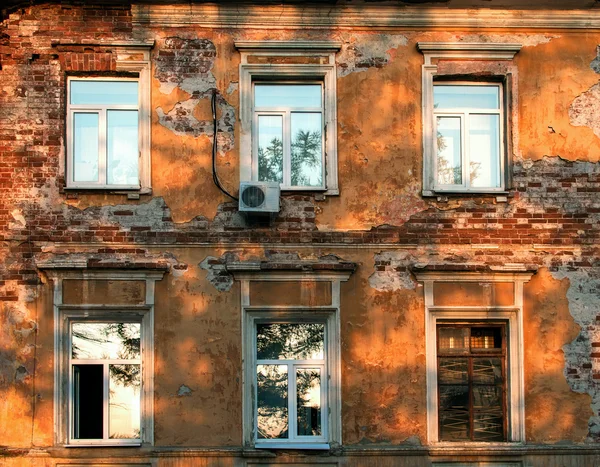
(291, 382)
(105, 373)
(471, 380)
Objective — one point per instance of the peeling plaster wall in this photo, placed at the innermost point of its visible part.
(550, 221)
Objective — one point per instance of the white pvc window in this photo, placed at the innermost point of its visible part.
(105, 382)
(468, 137)
(288, 134)
(103, 131)
(291, 383)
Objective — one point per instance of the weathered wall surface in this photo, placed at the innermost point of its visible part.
(550, 222)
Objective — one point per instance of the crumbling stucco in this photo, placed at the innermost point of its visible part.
(217, 273)
(392, 271)
(361, 52)
(582, 358)
(585, 110)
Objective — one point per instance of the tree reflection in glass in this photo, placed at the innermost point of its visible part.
(272, 401)
(298, 341)
(308, 389)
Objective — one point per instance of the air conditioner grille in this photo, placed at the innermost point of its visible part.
(253, 196)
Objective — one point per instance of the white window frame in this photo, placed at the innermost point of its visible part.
(285, 113)
(324, 73)
(512, 315)
(291, 317)
(133, 59)
(121, 315)
(328, 314)
(432, 52)
(464, 114)
(65, 314)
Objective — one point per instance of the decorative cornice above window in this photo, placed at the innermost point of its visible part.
(466, 50)
(358, 16)
(313, 46)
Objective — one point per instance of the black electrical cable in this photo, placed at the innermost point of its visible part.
(213, 105)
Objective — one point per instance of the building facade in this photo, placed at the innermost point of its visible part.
(336, 234)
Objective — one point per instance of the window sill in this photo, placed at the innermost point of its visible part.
(501, 195)
(307, 446)
(104, 445)
(132, 193)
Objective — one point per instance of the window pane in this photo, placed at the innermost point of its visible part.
(454, 413)
(471, 97)
(105, 340)
(104, 92)
(449, 165)
(487, 371)
(270, 148)
(85, 147)
(453, 371)
(88, 405)
(453, 339)
(307, 161)
(484, 149)
(301, 341)
(122, 146)
(287, 95)
(124, 401)
(488, 426)
(272, 401)
(308, 391)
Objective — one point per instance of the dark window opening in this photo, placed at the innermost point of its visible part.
(88, 384)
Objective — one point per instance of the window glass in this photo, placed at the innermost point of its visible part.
(86, 92)
(85, 147)
(272, 401)
(301, 341)
(270, 148)
(484, 143)
(308, 390)
(287, 95)
(122, 147)
(473, 97)
(105, 341)
(307, 162)
(124, 401)
(449, 152)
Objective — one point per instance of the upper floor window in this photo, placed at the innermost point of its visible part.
(103, 131)
(288, 133)
(288, 114)
(468, 136)
(467, 124)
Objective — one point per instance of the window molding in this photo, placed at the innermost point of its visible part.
(129, 58)
(64, 314)
(512, 315)
(432, 51)
(323, 71)
(330, 314)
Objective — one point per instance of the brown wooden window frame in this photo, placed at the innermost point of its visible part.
(470, 354)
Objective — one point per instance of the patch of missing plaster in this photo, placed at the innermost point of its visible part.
(391, 272)
(583, 296)
(187, 64)
(585, 109)
(233, 86)
(595, 65)
(402, 204)
(184, 391)
(21, 374)
(360, 53)
(217, 273)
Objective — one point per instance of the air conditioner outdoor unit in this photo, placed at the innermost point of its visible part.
(259, 197)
